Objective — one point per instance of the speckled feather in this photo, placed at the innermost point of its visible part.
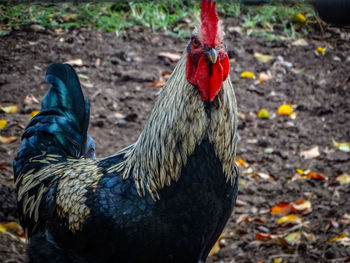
(165, 198)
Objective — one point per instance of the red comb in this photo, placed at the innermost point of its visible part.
(209, 19)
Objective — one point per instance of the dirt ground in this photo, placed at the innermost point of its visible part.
(117, 75)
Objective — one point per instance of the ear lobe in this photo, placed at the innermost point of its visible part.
(190, 71)
(225, 63)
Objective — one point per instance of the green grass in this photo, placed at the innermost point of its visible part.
(155, 15)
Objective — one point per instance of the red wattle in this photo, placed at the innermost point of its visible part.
(216, 79)
(202, 78)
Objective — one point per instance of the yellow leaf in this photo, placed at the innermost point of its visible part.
(7, 140)
(247, 75)
(2, 229)
(285, 109)
(343, 146)
(262, 58)
(320, 50)
(289, 218)
(3, 123)
(9, 109)
(277, 260)
(14, 227)
(263, 113)
(240, 162)
(344, 178)
(338, 238)
(299, 17)
(299, 171)
(300, 42)
(34, 112)
(216, 248)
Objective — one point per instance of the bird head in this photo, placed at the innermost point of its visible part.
(207, 65)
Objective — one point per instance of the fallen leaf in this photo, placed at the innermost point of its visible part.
(314, 175)
(33, 113)
(265, 76)
(320, 51)
(14, 226)
(300, 171)
(301, 206)
(30, 99)
(262, 176)
(338, 238)
(3, 124)
(293, 238)
(310, 237)
(282, 208)
(269, 150)
(158, 83)
(82, 76)
(277, 260)
(285, 109)
(166, 75)
(299, 18)
(247, 75)
(263, 114)
(300, 42)
(240, 162)
(311, 153)
(7, 140)
(9, 109)
(75, 62)
(343, 146)
(2, 166)
(172, 56)
(289, 219)
(2, 229)
(332, 223)
(344, 178)
(262, 57)
(216, 248)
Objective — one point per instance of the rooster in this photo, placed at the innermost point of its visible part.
(165, 198)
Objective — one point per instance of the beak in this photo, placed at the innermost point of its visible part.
(212, 54)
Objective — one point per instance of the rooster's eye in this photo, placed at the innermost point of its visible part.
(195, 42)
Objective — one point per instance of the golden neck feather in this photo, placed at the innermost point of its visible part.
(178, 122)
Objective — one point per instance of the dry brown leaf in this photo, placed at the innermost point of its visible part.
(75, 62)
(7, 140)
(344, 178)
(262, 57)
(172, 56)
(282, 208)
(30, 99)
(311, 153)
(158, 84)
(317, 176)
(301, 206)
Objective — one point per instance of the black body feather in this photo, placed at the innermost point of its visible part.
(120, 225)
